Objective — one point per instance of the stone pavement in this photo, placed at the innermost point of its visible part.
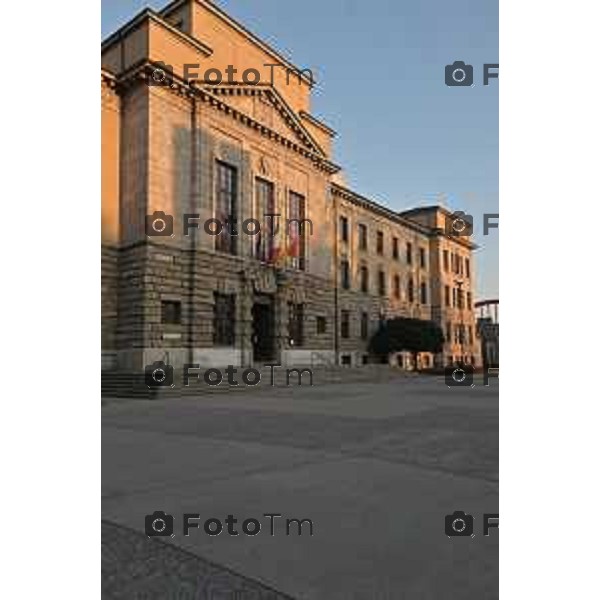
(375, 466)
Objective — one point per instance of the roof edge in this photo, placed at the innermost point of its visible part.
(152, 15)
(377, 206)
(317, 123)
(212, 7)
(401, 217)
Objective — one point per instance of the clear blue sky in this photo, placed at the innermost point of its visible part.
(404, 137)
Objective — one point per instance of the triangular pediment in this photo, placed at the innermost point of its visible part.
(266, 106)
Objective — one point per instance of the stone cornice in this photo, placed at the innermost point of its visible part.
(315, 156)
(460, 240)
(108, 90)
(142, 73)
(277, 100)
(149, 14)
(457, 239)
(423, 209)
(108, 79)
(318, 123)
(377, 208)
(481, 303)
(399, 218)
(209, 5)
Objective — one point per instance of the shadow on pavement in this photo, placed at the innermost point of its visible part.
(135, 567)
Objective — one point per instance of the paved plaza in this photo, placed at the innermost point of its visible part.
(375, 466)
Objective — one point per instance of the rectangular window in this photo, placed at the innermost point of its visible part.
(299, 229)
(321, 325)
(224, 319)
(445, 260)
(423, 293)
(449, 332)
(395, 249)
(469, 300)
(397, 287)
(264, 242)
(447, 295)
(422, 258)
(364, 280)
(468, 268)
(344, 229)
(380, 243)
(296, 324)
(364, 325)
(411, 290)
(381, 283)
(409, 253)
(454, 297)
(171, 312)
(345, 274)
(345, 325)
(226, 206)
(460, 298)
(362, 237)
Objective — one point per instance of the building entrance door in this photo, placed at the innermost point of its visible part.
(263, 328)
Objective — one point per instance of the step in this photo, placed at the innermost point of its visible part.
(120, 384)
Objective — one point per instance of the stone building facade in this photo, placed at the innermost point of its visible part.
(193, 268)
(488, 326)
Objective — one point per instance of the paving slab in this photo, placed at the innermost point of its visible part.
(376, 468)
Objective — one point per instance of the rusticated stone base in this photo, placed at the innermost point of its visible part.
(148, 273)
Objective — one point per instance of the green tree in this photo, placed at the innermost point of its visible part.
(410, 335)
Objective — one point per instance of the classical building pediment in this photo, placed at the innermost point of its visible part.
(266, 106)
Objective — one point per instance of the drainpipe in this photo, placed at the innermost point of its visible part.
(336, 343)
(194, 156)
(243, 324)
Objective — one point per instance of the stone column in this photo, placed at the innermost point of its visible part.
(244, 327)
(281, 323)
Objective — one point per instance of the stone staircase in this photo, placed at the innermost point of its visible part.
(117, 384)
